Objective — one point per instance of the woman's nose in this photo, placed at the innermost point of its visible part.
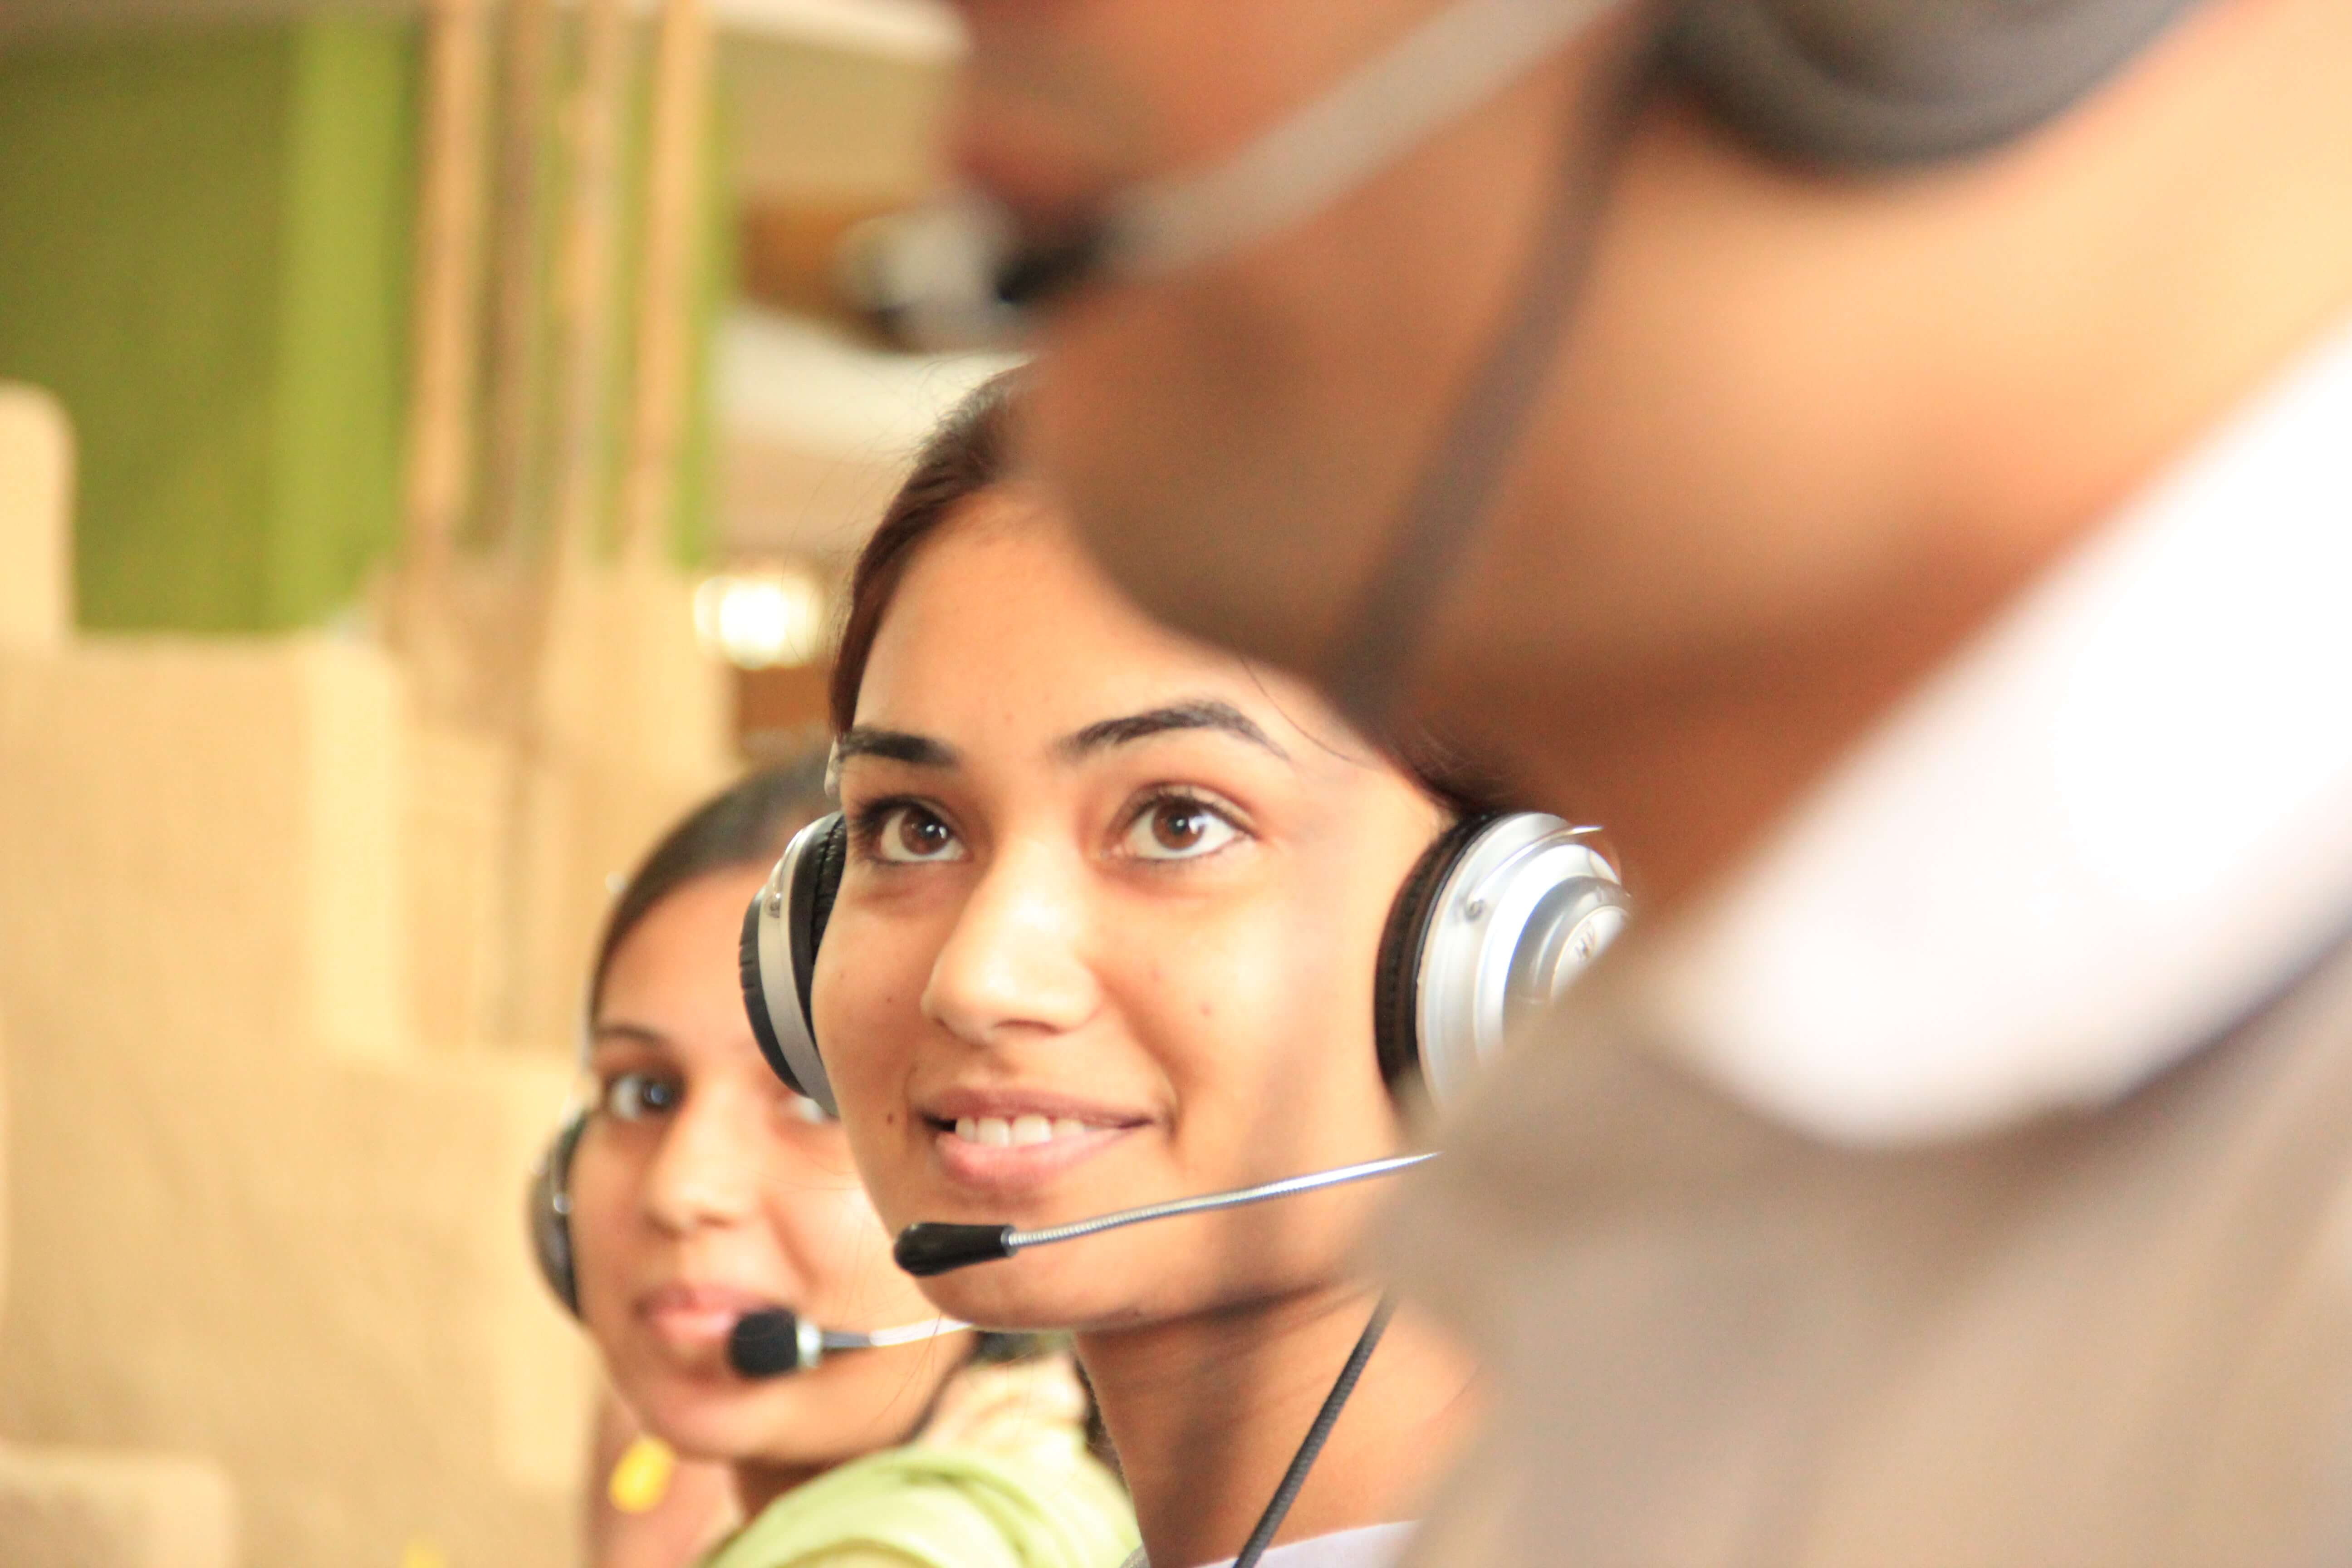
(707, 1168)
(1015, 961)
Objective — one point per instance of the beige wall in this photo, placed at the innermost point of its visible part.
(63, 1508)
(265, 1154)
(251, 1220)
(222, 817)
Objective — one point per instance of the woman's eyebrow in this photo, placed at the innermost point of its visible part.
(620, 1032)
(1201, 713)
(898, 745)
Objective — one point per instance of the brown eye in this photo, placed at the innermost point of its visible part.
(1177, 830)
(1179, 826)
(922, 836)
(910, 834)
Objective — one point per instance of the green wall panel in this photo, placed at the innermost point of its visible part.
(205, 245)
(203, 250)
(342, 331)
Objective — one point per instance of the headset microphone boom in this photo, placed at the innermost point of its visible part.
(928, 1247)
(774, 1341)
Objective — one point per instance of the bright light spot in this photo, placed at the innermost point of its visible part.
(757, 620)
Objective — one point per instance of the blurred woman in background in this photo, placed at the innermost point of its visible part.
(696, 1190)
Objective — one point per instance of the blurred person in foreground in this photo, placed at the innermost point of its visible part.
(1928, 558)
(699, 1190)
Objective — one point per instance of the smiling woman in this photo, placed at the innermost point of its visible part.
(699, 1213)
(1106, 935)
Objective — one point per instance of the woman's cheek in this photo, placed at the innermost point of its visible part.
(1247, 1011)
(836, 1236)
(863, 1064)
(844, 1006)
(863, 1031)
(602, 1237)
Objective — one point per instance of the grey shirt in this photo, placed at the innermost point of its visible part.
(1953, 1269)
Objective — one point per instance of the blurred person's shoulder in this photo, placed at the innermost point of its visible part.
(1973, 1163)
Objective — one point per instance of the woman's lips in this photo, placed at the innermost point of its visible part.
(691, 1315)
(1007, 1144)
(1009, 1168)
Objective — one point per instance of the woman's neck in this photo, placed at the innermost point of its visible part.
(892, 1378)
(761, 1481)
(1206, 1412)
(758, 1483)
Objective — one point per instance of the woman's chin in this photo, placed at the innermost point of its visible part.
(736, 1436)
(719, 1417)
(1041, 1295)
(698, 1428)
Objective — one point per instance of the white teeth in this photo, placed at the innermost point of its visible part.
(1002, 1132)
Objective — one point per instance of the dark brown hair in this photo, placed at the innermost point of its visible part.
(747, 824)
(965, 456)
(970, 453)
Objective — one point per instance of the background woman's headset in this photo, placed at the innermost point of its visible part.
(547, 1212)
(1493, 923)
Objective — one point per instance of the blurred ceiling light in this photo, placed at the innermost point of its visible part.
(760, 620)
(924, 31)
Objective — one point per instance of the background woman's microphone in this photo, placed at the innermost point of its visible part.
(774, 1341)
(927, 1247)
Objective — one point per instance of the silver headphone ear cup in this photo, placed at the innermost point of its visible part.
(1884, 84)
(1514, 915)
(547, 1214)
(778, 955)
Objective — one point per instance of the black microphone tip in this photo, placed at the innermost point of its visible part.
(926, 1248)
(1043, 270)
(765, 1344)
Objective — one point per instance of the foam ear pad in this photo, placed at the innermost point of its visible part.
(1396, 983)
(776, 956)
(547, 1212)
(821, 881)
(1865, 83)
(749, 972)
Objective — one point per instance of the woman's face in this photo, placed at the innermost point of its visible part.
(1106, 936)
(702, 1189)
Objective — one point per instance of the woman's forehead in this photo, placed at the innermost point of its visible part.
(675, 961)
(1002, 628)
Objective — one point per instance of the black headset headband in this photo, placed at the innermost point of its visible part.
(1885, 82)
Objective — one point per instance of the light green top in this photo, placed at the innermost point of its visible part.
(939, 1507)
